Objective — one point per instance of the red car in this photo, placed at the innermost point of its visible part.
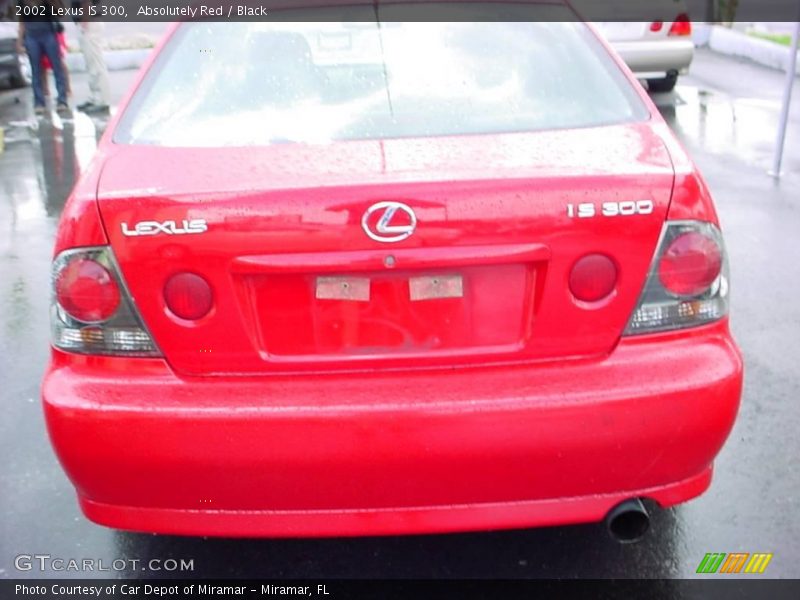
(334, 278)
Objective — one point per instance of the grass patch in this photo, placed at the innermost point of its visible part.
(784, 39)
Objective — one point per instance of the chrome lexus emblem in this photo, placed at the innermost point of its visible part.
(169, 227)
(389, 222)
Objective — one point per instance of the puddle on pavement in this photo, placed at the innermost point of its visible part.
(742, 127)
(41, 162)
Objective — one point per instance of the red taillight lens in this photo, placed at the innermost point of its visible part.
(87, 291)
(681, 27)
(593, 278)
(691, 263)
(687, 284)
(656, 26)
(91, 310)
(188, 296)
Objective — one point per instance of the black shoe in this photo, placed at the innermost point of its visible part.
(40, 111)
(62, 107)
(95, 109)
(85, 105)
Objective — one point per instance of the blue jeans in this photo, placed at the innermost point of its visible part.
(44, 43)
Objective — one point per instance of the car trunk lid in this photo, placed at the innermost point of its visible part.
(299, 283)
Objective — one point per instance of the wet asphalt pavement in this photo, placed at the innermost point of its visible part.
(726, 112)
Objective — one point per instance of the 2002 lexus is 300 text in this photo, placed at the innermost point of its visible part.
(368, 276)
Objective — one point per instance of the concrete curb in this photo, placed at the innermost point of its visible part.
(735, 43)
(116, 60)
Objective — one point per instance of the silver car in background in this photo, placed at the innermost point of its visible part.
(657, 51)
(15, 68)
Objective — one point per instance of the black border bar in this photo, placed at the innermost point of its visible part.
(424, 10)
(177, 589)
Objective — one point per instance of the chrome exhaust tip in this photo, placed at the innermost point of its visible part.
(628, 521)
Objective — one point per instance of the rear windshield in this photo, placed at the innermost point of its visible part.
(245, 84)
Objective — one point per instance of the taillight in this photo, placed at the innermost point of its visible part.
(188, 296)
(690, 264)
(681, 27)
(688, 281)
(593, 278)
(656, 26)
(91, 311)
(87, 291)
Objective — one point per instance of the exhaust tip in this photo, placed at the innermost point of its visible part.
(628, 521)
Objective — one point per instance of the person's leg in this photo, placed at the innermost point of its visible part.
(62, 51)
(34, 50)
(67, 80)
(92, 48)
(45, 85)
(50, 44)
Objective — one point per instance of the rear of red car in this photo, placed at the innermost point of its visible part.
(353, 286)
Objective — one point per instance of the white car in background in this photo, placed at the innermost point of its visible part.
(657, 51)
(14, 68)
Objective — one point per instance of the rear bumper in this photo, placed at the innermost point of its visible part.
(652, 59)
(384, 453)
